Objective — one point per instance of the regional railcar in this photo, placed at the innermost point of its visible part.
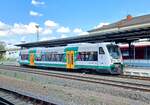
(102, 57)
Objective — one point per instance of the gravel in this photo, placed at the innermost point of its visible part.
(88, 75)
(71, 92)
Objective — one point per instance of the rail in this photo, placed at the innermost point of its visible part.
(84, 78)
(8, 97)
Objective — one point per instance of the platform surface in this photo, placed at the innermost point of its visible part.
(137, 71)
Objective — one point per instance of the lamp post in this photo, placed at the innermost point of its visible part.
(37, 29)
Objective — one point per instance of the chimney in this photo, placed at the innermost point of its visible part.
(129, 17)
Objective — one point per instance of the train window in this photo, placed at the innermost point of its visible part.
(101, 51)
(24, 56)
(38, 57)
(113, 51)
(87, 56)
(95, 58)
(52, 57)
(43, 57)
(60, 57)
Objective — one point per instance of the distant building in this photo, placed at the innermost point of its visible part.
(10, 52)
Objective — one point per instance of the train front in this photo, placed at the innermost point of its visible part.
(115, 59)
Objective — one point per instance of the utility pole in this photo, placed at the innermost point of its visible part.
(37, 30)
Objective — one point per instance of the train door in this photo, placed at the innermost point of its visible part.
(70, 59)
(101, 57)
(32, 59)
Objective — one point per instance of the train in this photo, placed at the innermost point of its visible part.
(99, 57)
(140, 54)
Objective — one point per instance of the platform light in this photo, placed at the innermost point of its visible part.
(37, 30)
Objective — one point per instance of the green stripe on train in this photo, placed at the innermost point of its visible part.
(93, 67)
(76, 66)
(50, 65)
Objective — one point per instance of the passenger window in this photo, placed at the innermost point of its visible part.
(51, 57)
(87, 56)
(38, 57)
(24, 56)
(101, 51)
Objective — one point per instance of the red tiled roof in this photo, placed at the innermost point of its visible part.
(125, 22)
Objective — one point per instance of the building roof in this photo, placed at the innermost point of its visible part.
(128, 21)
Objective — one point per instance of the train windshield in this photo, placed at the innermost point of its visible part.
(114, 51)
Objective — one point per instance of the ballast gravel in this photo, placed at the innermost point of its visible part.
(72, 92)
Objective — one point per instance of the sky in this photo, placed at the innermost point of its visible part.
(61, 18)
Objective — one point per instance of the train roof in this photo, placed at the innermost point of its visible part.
(70, 45)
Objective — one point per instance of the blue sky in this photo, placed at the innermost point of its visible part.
(61, 18)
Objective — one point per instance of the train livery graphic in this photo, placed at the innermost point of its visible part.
(102, 57)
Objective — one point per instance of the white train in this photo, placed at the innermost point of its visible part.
(102, 57)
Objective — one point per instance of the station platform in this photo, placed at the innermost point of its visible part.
(137, 63)
(137, 71)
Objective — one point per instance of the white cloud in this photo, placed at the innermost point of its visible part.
(24, 29)
(50, 24)
(63, 30)
(46, 31)
(47, 38)
(63, 36)
(9, 43)
(84, 33)
(37, 2)
(101, 24)
(49, 28)
(4, 26)
(3, 33)
(19, 29)
(36, 14)
(23, 39)
(77, 30)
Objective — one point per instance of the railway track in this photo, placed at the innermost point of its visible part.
(86, 78)
(134, 77)
(8, 97)
(114, 76)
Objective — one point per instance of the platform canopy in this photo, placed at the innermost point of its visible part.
(123, 31)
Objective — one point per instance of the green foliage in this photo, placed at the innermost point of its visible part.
(2, 48)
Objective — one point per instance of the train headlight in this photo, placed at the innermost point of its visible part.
(112, 61)
(115, 60)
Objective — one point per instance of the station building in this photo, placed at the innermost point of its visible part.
(10, 52)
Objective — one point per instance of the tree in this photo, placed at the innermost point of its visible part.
(2, 50)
